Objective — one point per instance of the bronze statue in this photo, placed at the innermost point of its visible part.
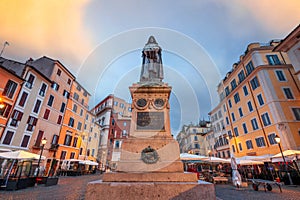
(152, 68)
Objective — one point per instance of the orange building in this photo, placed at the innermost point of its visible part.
(260, 97)
(72, 129)
(10, 86)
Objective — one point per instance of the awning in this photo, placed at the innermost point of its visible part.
(289, 155)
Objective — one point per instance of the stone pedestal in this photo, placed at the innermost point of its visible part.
(149, 165)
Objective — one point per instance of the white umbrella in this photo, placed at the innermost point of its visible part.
(187, 156)
(262, 158)
(216, 160)
(236, 177)
(20, 155)
(248, 162)
(288, 154)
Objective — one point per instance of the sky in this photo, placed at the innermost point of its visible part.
(100, 42)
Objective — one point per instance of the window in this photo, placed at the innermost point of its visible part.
(249, 67)
(82, 101)
(69, 81)
(79, 125)
(62, 108)
(78, 88)
(93, 152)
(229, 134)
(265, 119)
(75, 108)
(124, 124)
(260, 142)
(241, 112)
(121, 105)
(245, 128)
(254, 124)
(250, 106)
(240, 146)
(288, 93)
(273, 60)
(233, 117)
(76, 96)
(260, 100)
(25, 141)
(280, 75)
(88, 152)
(195, 138)
(271, 138)
(43, 90)
(72, 155)
(71, 122)
(66, 94)
(85, 93)
(197, 146)
(236, 132)
(129, 109)
(249, 144)
(254, 83)
(58, 72)
(39, 138)
(75, 141)
(31, 122)
(37, 106)
(4, 112)
(241, 76)
(29, 82)
(233, 84)
(50, 101)
(233, 148)
(227, 120)
(54, 86)
(124, 133)
(117, 144)
(23, 99)
(229, 103)
(59, 119)
(224, 108)
(63, 155)
(236, 97)
(8, 137)
(81, 112)
(55, 139)
(87, 117)
(9, 89)
(46, 114)
(68, 140)
(245, 90)
(296, 112)
(16, 116)
(227, 91)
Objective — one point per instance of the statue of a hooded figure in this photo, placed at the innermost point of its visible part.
(152, 68)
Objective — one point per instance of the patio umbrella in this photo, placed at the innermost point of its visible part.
(236, 177)
(288, 154)
(248, 162)
(20, 155)
(187, 156)
(216, 160)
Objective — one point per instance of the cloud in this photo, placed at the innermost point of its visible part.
(54, 28)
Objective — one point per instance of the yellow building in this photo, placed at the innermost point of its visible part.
(261, 100)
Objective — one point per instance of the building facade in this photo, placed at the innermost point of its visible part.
(261, 100)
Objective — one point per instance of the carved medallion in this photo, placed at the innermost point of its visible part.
(159, 103)
(141, 103)
(149, 155)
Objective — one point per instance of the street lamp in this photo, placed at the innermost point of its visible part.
(277, 139)
(44, 141)
(2, 105)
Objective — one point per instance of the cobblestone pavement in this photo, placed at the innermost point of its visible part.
(68, 187)
(74, 188)
(228, 191)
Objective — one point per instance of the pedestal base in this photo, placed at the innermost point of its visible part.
(150, 190)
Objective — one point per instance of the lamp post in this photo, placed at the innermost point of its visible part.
(44, 141)
(277, 139)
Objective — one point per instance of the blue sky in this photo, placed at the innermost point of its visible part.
(101, 41)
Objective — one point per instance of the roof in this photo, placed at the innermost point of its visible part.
(293, 36)
(13, 66)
